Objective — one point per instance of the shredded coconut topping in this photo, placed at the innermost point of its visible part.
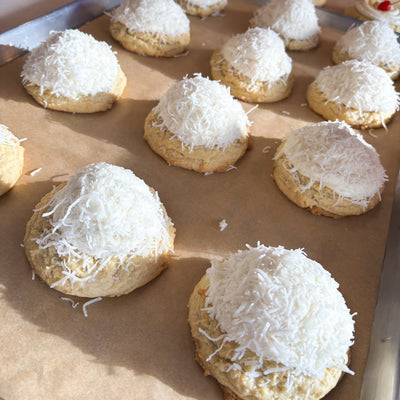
(105, 211)
(202, 112)
(372, 41)
(258, 54)
(207, 3)
(282, 306)
(292, 19)
(359, 85)
(334, 155)
(7, 138)
(369, 8)
(71, 64)
(162, 16)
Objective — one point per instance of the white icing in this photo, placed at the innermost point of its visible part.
(202, 112)
(292, 19)
(359, 85)
(369, 8)
(282, 306)
(258, 54)
(163, 17)
(71, 63)
(372, 41)
(335, 156)
(103, 212)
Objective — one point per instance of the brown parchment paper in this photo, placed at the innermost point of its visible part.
(138, 346)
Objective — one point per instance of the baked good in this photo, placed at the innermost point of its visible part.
(153, 28)
(329, 169)
(11, 159)
(270, 323)
(294, 20)
(198, 125)
(71, 71)
(104, 232)
(255, 66)
(319, 3)
(357, 92)
(202, 8)
(385, 11)
(372, 41)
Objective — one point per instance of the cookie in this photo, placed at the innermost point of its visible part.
(255, 66)
(11, 159)
(366, 10)
(329, 169)
(294, 20)
(198, 125)
(152, 28)
(357, 92)
(372, 41)
(202, 8)
(104, 232)
(264, 330)
(73, 72)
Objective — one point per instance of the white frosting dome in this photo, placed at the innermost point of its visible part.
(258, 54)
(163, 17)
(359, 85)
(372, 41)
(369, 8)
(292, 19)
(201, 112)
(282, 306)
(7, 138)
(105, 211)
(71, 63)
(335, 156)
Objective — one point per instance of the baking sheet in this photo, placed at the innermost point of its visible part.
(139, 345)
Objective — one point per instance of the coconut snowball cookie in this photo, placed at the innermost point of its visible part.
(198, 125)
(329, 169)
(102, 233)
(71, 71)
(372, 41)
(270, 323)
(294, 20)
(154, 28)
(385, 11)
(255, 66)
(202, 8)
(11, 159)
(357, 92)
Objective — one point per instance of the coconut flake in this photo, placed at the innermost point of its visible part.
(7, 138)
(372, 41)
(359, 85)
(201, 112)
(88, 303)
(71, 64)
(292, 19)
(163, 17)
(104, 212)
(334, 155)
(282, 306)
(258, 54)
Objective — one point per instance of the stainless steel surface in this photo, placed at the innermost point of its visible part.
(382, 372)
(335, 20)
(17, 41)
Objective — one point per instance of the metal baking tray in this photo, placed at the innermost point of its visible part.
(382, 373)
